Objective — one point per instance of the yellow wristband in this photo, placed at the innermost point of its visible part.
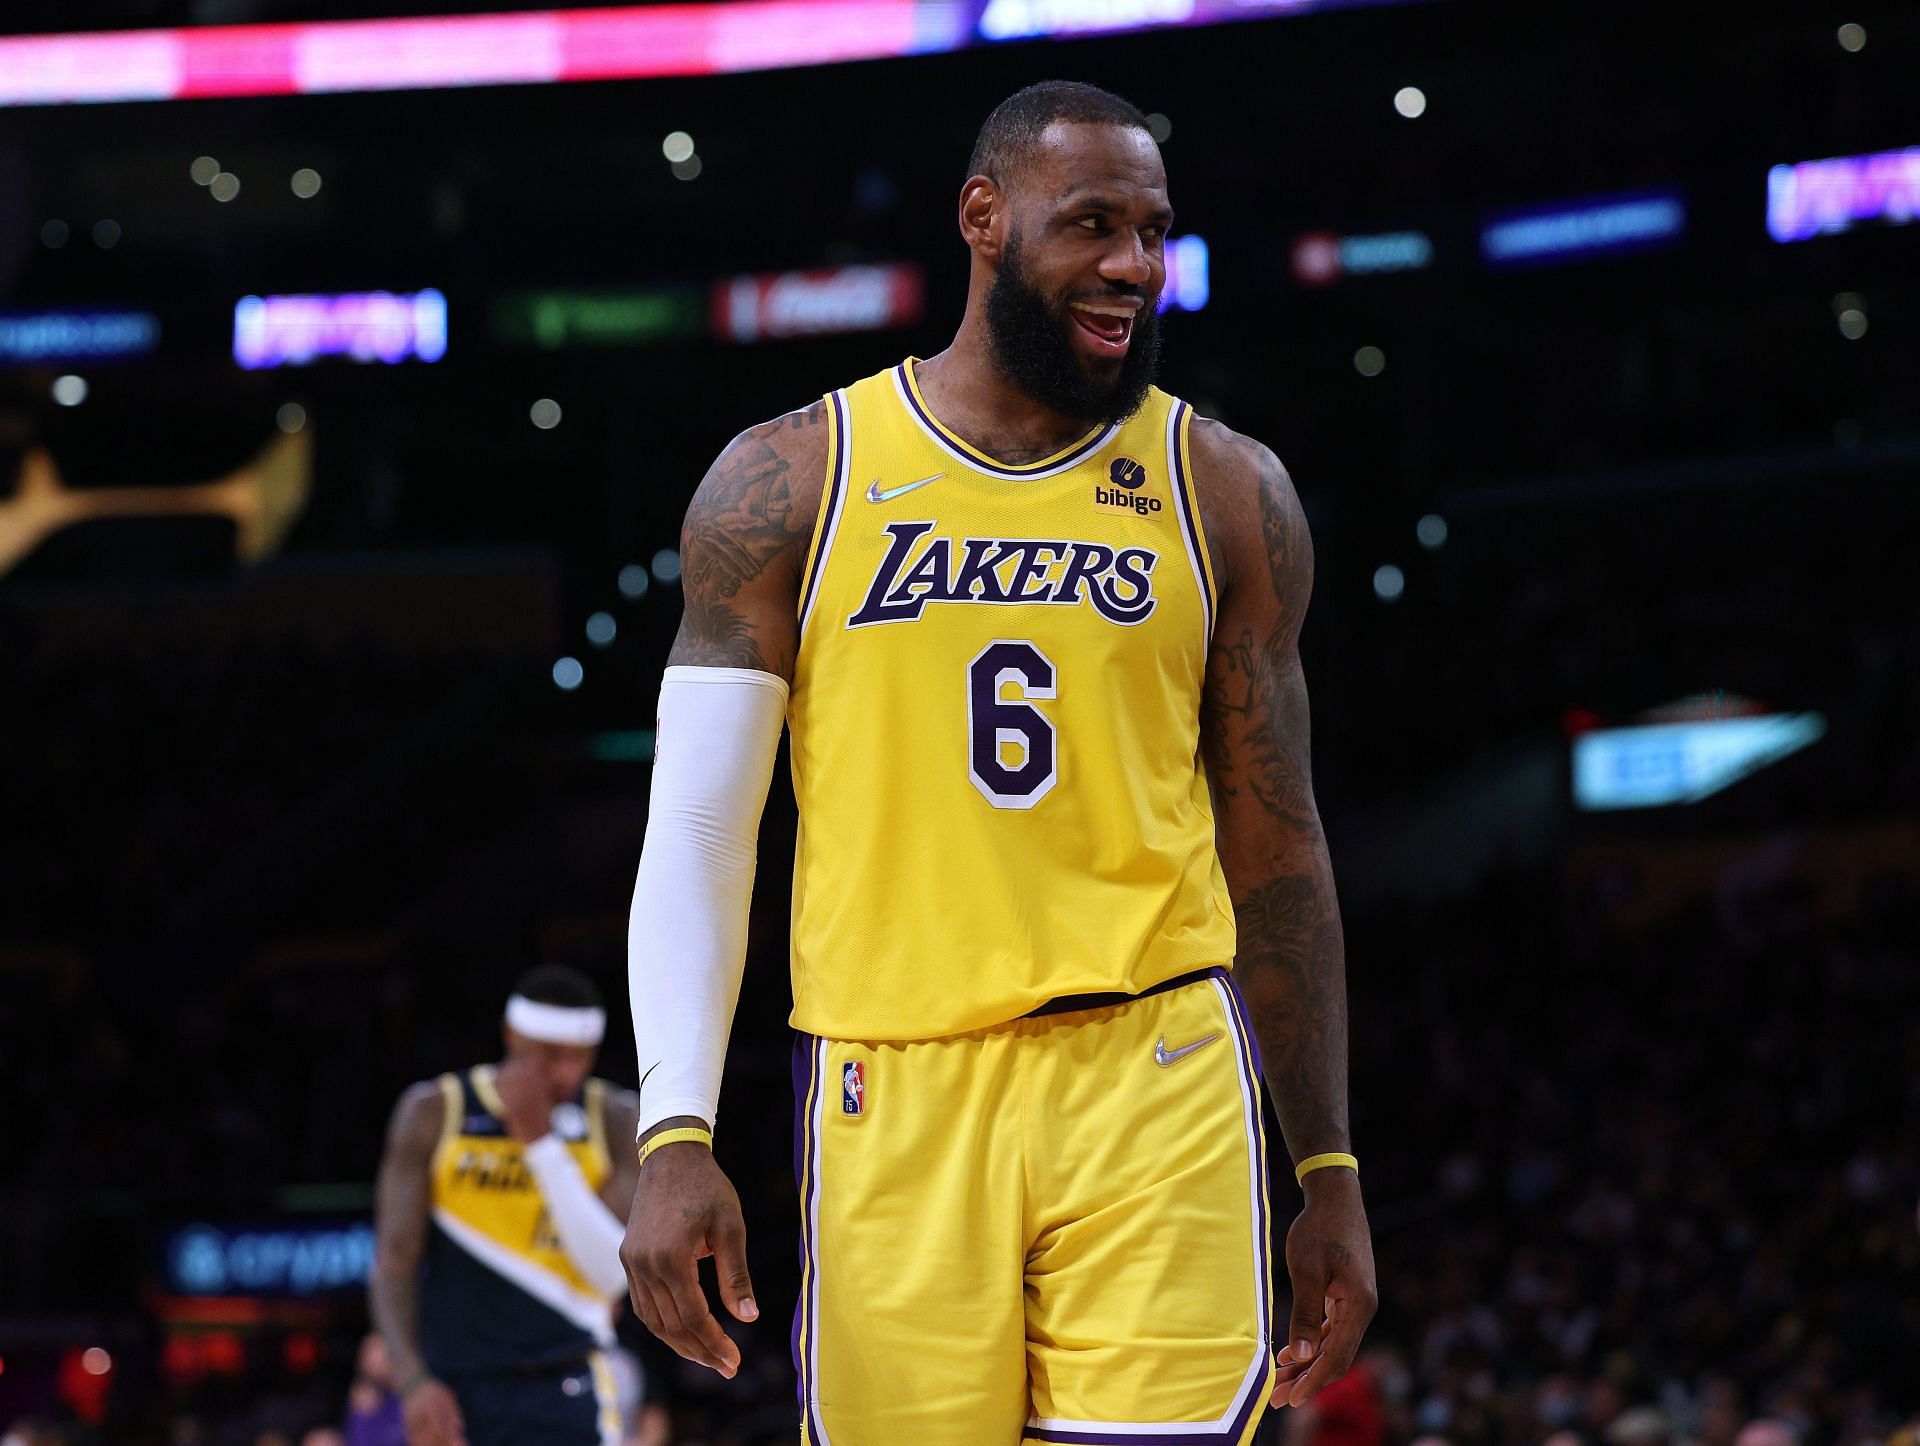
(1320, 1162)
(671, 1137)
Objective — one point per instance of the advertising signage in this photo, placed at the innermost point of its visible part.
(1817, 198)
(814, 303)
(361, 326)
(1581, 230)
(280, 1260)
(29, 337)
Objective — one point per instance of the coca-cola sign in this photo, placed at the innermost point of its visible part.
(814, 303)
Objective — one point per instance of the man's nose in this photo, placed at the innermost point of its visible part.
(1127, 262)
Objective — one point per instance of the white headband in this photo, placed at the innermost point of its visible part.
(555, 1023)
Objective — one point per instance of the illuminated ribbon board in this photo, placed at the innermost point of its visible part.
(1189, 283)
(1582, 230)
(75, 336)
(1669, 763)
(815, 303)
(1817, 198)
(1321, 258)
(546, 47)
(633, 316)
(363, 326)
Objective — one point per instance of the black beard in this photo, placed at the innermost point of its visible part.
(1030, 346)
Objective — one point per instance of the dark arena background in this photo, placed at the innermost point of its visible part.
(356, 379)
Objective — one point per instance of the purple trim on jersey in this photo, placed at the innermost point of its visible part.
(829, 504)
(1185, 504)
(1079, 454)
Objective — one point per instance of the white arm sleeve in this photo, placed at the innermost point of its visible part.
(588, 1230)
(687, 935)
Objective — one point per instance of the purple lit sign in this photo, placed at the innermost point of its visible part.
(366, 326)
(1816, 198)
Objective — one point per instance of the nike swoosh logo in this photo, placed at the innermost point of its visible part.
(875, 493)
(1163, 1056)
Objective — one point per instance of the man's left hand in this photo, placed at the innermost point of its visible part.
(1330, 1259)
(527, 1097)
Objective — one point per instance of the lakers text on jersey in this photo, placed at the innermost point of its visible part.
(995, 723)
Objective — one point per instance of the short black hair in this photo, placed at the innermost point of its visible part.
(559, 984)
(1006, 142)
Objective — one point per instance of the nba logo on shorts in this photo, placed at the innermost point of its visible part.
(853, 1088)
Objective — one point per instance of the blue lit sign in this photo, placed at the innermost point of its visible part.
(1578, 230)
(307, 1259)
(1682, 762)
(1188, 284)
(1321, 258)
(72, 336)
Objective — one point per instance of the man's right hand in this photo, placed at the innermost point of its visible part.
(432, 1416)
(684, 1209)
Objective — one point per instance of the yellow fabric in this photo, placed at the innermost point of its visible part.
(688, 1134)
(606, 1395)
(482, 1179)
(941, 885)
(1036, 1228)
(1322, 1162)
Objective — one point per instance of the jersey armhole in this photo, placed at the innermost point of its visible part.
(1192, 532)
(596, 1103)
(826, 520)
(453, 1103)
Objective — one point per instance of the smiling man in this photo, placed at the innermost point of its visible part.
(1060, 882)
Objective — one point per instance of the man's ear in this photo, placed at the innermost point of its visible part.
(983, 216)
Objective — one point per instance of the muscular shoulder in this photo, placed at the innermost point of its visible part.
(758, 499)
(417, 1118)
(745, 539)
(622, 1110)
(1256, 529)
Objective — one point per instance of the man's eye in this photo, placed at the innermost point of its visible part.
(1092, 223)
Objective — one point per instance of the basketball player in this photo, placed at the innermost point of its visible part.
(498, 1223)
(1034, 628)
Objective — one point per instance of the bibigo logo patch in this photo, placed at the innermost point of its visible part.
(1128, 477)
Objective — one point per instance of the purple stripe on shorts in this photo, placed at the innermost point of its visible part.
(1250, 1062)
(803, 1058)
(1247, 1056)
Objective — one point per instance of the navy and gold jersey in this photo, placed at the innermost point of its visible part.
(996, 723)
(500, 1291)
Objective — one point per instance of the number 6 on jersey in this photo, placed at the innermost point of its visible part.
(993, 721)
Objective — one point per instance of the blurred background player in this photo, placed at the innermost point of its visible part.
(1049, 792)
(498, 1219)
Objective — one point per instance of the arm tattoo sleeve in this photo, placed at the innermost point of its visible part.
(1256, 733)
(746, 529)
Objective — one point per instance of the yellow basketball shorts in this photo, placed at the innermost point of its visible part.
(1051, 1230)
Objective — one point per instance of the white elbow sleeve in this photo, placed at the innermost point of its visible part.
(719, 729)
(588, 1230)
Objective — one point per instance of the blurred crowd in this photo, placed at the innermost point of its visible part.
(1626, 1190)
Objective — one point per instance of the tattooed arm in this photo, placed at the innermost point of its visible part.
(741, 552)
(1291, 964)
(744, 543)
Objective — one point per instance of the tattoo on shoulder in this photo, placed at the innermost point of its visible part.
(750, 511)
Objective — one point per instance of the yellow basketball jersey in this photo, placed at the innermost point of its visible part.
(995, 723)
(501, 1288)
